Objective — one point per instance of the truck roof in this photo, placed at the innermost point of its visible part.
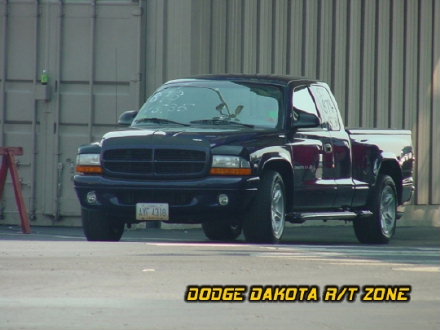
(283, 80)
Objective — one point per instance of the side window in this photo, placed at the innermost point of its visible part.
(327, 108)
(302, 100)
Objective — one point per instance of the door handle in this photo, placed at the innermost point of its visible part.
(328, 148)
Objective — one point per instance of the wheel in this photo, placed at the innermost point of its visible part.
(99, 227)
(221, 231)
(381, 226)
(265, 219)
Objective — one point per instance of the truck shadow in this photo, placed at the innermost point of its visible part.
(328, 235)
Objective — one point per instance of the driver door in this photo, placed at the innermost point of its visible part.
(313, 158)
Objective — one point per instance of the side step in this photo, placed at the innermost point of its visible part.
(296, 217)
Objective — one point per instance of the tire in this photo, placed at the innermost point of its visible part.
(381, 226)
(221, 231)
(99, 227)
(265, 219)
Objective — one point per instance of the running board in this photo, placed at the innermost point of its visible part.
(297, 217)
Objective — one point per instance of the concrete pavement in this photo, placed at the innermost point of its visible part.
(54, 279)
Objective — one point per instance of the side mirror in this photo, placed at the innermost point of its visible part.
(127, 118)
(306, 120)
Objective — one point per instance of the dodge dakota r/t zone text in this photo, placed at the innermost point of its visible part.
(243, 153)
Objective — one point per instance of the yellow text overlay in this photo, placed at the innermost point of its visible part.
(298, 293)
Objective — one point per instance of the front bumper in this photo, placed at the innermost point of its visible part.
(190, 201)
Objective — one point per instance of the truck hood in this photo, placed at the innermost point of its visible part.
(176, 135)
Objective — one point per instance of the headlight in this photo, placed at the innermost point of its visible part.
(230, 165)
(88, 164)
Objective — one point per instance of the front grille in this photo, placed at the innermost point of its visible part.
(129, 154)
(179, 155)
(130, 167)
(155, 163)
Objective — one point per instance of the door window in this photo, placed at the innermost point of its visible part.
(302, 101)
(327, 108)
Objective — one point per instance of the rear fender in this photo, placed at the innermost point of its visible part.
(387, 164)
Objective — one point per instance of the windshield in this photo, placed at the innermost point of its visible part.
(213, 103)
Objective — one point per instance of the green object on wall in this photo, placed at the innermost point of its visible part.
(44, 77)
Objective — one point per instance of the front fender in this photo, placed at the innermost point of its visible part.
(265, 156)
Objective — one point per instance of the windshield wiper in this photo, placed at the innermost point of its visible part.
(219, 122)
(158, 121)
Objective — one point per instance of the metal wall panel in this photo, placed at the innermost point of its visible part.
(250, 41)
(397, 65)
(265, 36)
(17, 105)
(379, 57)
(435, 107)
(295, 41)
(218, 36)
(91, 51)
(200, 38)
(280, 12)
(354, 60)
(339, 53)
(424, 78)
(324, 52)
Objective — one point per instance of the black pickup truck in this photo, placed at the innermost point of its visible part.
(243, 153)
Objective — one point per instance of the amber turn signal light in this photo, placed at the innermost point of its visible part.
(230, 171)
(89, 169)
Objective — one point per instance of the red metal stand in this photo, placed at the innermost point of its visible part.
(8, 161)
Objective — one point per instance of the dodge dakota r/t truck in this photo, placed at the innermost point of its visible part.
(243, 153)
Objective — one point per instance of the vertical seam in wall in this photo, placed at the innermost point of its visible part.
(419, 26)
(165, 40)
(304, 39)
(211, 35)
(431, 136)
(4, 72)
(258, 41)
(333, 61)
(405, 71)
(390, 107)
(58, 103)
(273, 36)
(142, 52)
(35, 109)
(288, 38)
(318, 38)
(227, 39)
(93, 5)
(242, 8)
(362, 64)
(376, 65)
(348, 61)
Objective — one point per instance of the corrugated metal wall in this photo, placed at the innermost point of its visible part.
(381, 58)
(92, 53)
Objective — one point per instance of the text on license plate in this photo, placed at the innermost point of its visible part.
(152, 211)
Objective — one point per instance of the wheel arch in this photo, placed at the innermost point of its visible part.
(391, 167)
(284, 168)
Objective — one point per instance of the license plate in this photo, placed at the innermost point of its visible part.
(152, 211)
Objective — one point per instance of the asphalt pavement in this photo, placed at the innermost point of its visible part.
(54, 279)
(294, 234)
